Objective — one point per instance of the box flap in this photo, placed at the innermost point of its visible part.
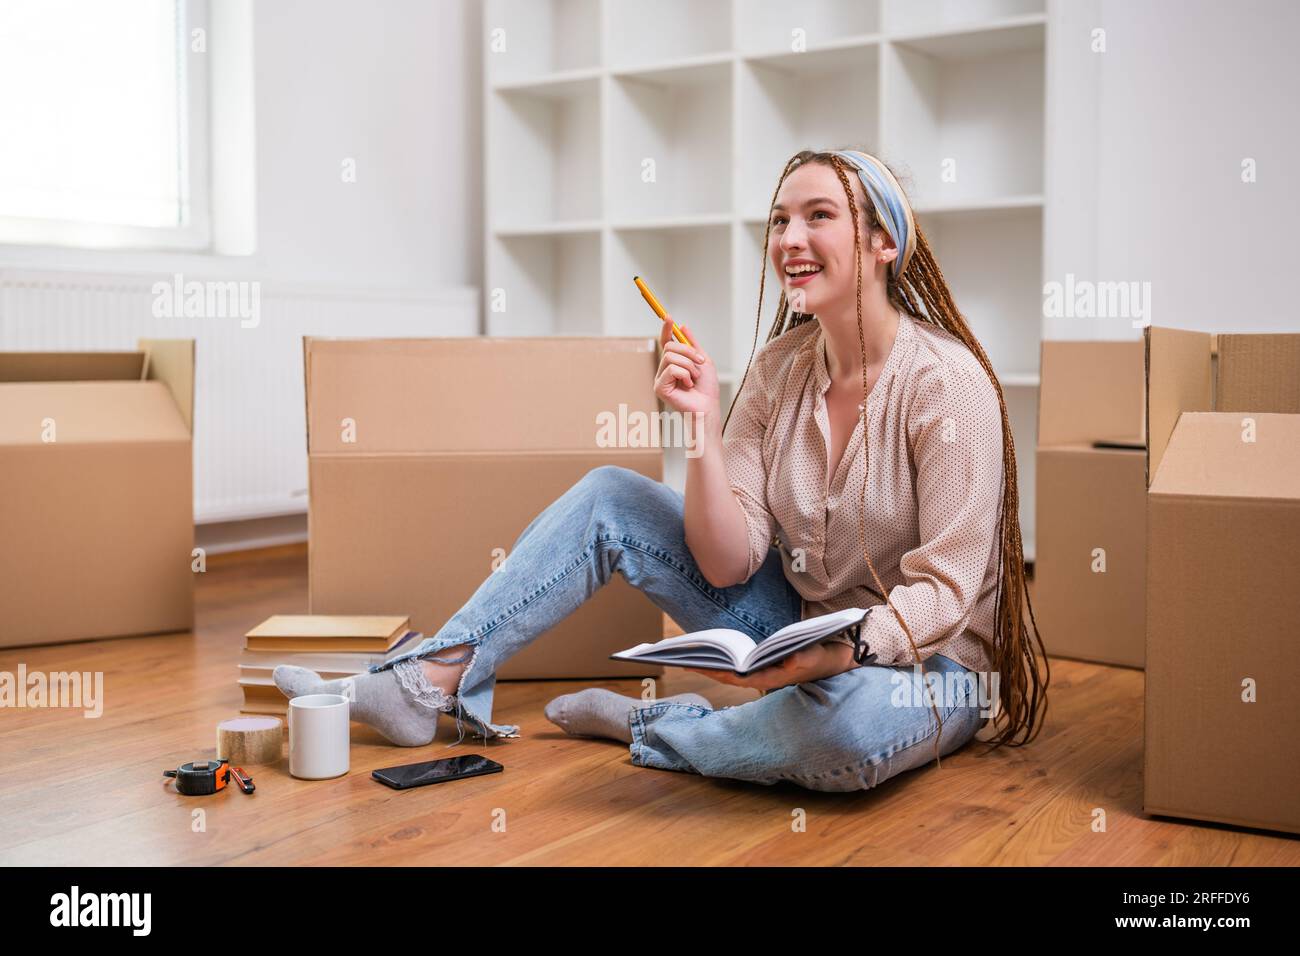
(435, 395)
(1179, 379)
(88, 413)
(71, 366)
(1258, 373)
(1209, 456)
(171, 361)
(1091, 391)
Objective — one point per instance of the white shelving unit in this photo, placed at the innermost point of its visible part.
(626, 137)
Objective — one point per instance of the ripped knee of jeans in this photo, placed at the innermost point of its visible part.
(410, 673)
(461, 714)
(435, 698)
(425, 693)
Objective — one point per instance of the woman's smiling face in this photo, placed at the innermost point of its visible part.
(811, 240)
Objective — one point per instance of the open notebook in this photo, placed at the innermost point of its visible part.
(722, 648)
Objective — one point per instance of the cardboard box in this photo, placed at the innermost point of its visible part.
(457, 444)
(1090, 548)
(96, 500)
(1223, 562)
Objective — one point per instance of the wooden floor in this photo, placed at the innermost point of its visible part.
(90, 791)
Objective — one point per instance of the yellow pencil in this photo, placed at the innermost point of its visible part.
(649, 296)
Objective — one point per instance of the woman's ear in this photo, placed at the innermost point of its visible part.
(887, 252)
(881, 244)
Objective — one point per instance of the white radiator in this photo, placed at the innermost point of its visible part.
(250, 454)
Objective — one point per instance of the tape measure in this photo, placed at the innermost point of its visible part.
(201, 777)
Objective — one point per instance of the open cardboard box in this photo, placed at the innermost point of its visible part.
(1090, 547)
(1223, 578)
(429, 457)
(96, 500)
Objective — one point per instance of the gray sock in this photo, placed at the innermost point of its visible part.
(400, 702)
(596, 712)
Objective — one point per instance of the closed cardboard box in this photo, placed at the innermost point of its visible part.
(429, 457)
(96, 501)
(1223, 559)
(1090, 549)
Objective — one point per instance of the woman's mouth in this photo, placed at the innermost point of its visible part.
(801, 273)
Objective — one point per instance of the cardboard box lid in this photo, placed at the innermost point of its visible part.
(1208, 458)
(1202, 372)
(1092, 391)
(89, 413)
(169, 361)
(1180, 378)
(424, 395)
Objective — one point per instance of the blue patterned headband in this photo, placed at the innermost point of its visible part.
(891, 204)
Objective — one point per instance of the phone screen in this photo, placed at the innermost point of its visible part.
(436, 771)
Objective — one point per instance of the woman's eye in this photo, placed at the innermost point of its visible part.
(777, 220)
(821, 212)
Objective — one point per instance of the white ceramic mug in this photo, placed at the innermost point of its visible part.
(319, 736)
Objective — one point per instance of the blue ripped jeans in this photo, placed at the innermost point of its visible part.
(847, 732)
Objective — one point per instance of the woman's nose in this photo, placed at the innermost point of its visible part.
(792, 237)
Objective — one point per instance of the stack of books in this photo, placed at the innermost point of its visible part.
(334, 646)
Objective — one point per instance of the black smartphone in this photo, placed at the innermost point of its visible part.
(436, 771)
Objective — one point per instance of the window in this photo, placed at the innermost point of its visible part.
(103, 117)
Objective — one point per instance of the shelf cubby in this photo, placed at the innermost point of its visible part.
(794, 101)
(750, 257)
(541, 38)
(551, 284)
(769, 26)
(1003, 305)
(679, 120)
(546, 168)
(640, 33)
(964, 114)
(688, 268)
(922, 16)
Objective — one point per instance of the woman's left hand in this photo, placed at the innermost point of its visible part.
(803, 666)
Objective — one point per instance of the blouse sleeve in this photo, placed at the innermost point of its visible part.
(742, 450)
(955, 431)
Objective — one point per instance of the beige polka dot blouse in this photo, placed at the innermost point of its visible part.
(932, 460)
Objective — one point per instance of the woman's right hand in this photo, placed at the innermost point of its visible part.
(687, 379)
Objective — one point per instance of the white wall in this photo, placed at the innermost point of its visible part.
(393, 84)
(1145, 154)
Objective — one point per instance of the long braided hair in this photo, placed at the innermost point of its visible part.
(922, 292)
